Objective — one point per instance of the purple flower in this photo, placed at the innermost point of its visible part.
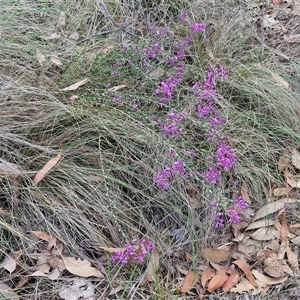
(114, 73)
(226, 158)
(233, 216)
(213, 175)
(133, 251)
(170, 130)
(199, 27)
(171, 153)
(218, 218)
(162, 178)
(183, 17)
(206, 110)
(191, 153)
(241, 204)
(124, 47)
(215, 122)
(214, 203)
(179, 169)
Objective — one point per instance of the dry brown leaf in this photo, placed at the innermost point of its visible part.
(81, 268)
(278, 192)
(152, 265)
(207, 274)
(272, 207)
(263, 234)
(40, 57)
(43, 236)
(46, 169)
(296, 240)
(42, 264)
(293, 181)
(116, 88)
(230, 282)
(76, 85)
(56, 61)
(22, 282)
(260, 224)
(268, 280)
(51, 36)
(9, 264)
(249, 246)
(246, 269)
(236, 228)
(295, 158)
(53, 275)
(292, 258)
(281, 81)
(112, 250)
(194, 196)
(244, 192)
(293, 38)
(284, 231)
(115, 290)
(73, 98)
(214, 255)
(5, 213)
(180, 269)
(56, 262)
(283, 162)
(246, 286)
(277, 267)
(7, 292)
(189, 281)
(62, 19)
(217, 281)
(219, 268)
(277, 2)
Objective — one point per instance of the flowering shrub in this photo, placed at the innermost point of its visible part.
(133, 252)
(172, 122)
(233, 214)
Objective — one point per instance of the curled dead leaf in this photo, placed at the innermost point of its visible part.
(76, 85)
(214, 255)
(5, 213)
(277, 268)
(272, 207)
(189, 281)
(295, 158)
(292, 258)
(43, 236)
(244, 192)
(207, 274)
(245, 287)
(230, 282)
(81, 268)
(152, 265)
(217, 281)
(52, 276)
(246, 269)
(46, 169)
(283, 162)
(264, 234)
(268, 280)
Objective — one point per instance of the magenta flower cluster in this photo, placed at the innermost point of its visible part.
(224, 158)
(172, 126)
(163, 178)
(232, 214)
(133, 252)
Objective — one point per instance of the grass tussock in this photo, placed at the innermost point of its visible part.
(102, 191)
